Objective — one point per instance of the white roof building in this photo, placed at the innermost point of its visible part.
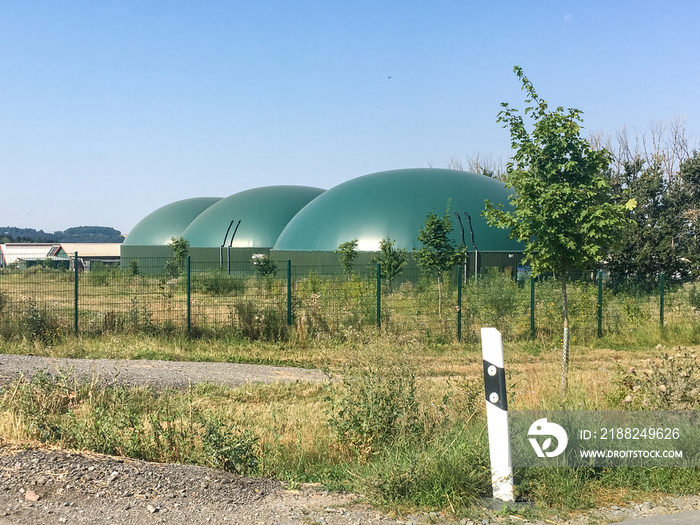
(11, 253)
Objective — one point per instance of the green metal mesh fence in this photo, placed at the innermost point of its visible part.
(266, 300)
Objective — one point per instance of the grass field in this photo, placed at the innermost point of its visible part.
(403, 421)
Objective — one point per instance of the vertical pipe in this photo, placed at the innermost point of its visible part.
(189, 297)
(532, 307)
(476, 252)
(464, 244)
(75, 294)
(661, 300)
(599, 306)
(289, 292)
(379, 296)
(459, 305)
(221, 250)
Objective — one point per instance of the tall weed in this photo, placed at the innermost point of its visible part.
(374, 407)
(218, 283)
(268, 323)
(670, 382)
(39, 323)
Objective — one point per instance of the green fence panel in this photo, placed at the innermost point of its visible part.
(42, 299)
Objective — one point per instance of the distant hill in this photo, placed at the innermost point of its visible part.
(78, 234)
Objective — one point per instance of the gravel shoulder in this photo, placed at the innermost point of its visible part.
(41, 486)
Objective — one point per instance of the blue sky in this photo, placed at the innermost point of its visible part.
(109, 110)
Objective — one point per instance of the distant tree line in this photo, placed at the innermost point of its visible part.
(660, 172)
(79, 234)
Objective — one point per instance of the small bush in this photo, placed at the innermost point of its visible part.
(266, 324)
(99, 274)
(495, 300)
(228, 449)
(219, 283)
(374, 407)
(265, 265)
(139, 318)
(4, 301)
(39, 323)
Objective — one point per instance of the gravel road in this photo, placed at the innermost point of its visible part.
(159, 374)
(42, 486)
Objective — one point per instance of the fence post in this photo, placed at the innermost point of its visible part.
(459, 304)
(189, 297)
(532, 307)
(661, 300)
(289, 292)
(75, 294)
(599, 306)
(379, 296)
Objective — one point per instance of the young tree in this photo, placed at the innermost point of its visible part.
(175, 264)
(438, 253)
(347, 252)
(391, 261)
(134, 267)
(562, 206)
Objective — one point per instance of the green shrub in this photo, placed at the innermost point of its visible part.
(139, 318)
(267, 324)
(265, 265)
(219, 283)
(228, 449)
(374, 407)
(39, 324)
(496, 300)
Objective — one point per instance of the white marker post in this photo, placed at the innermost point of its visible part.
(497, 415)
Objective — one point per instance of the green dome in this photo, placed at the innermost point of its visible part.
(263, 212)
(394, 204)
(171, 220)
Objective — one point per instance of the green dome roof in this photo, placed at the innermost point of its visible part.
(171, 220)
(394, 204)
(263, 212)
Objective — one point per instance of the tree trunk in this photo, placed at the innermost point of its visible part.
(439, 296)
(565, 349)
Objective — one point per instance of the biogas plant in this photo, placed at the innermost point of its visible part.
(306, 224)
